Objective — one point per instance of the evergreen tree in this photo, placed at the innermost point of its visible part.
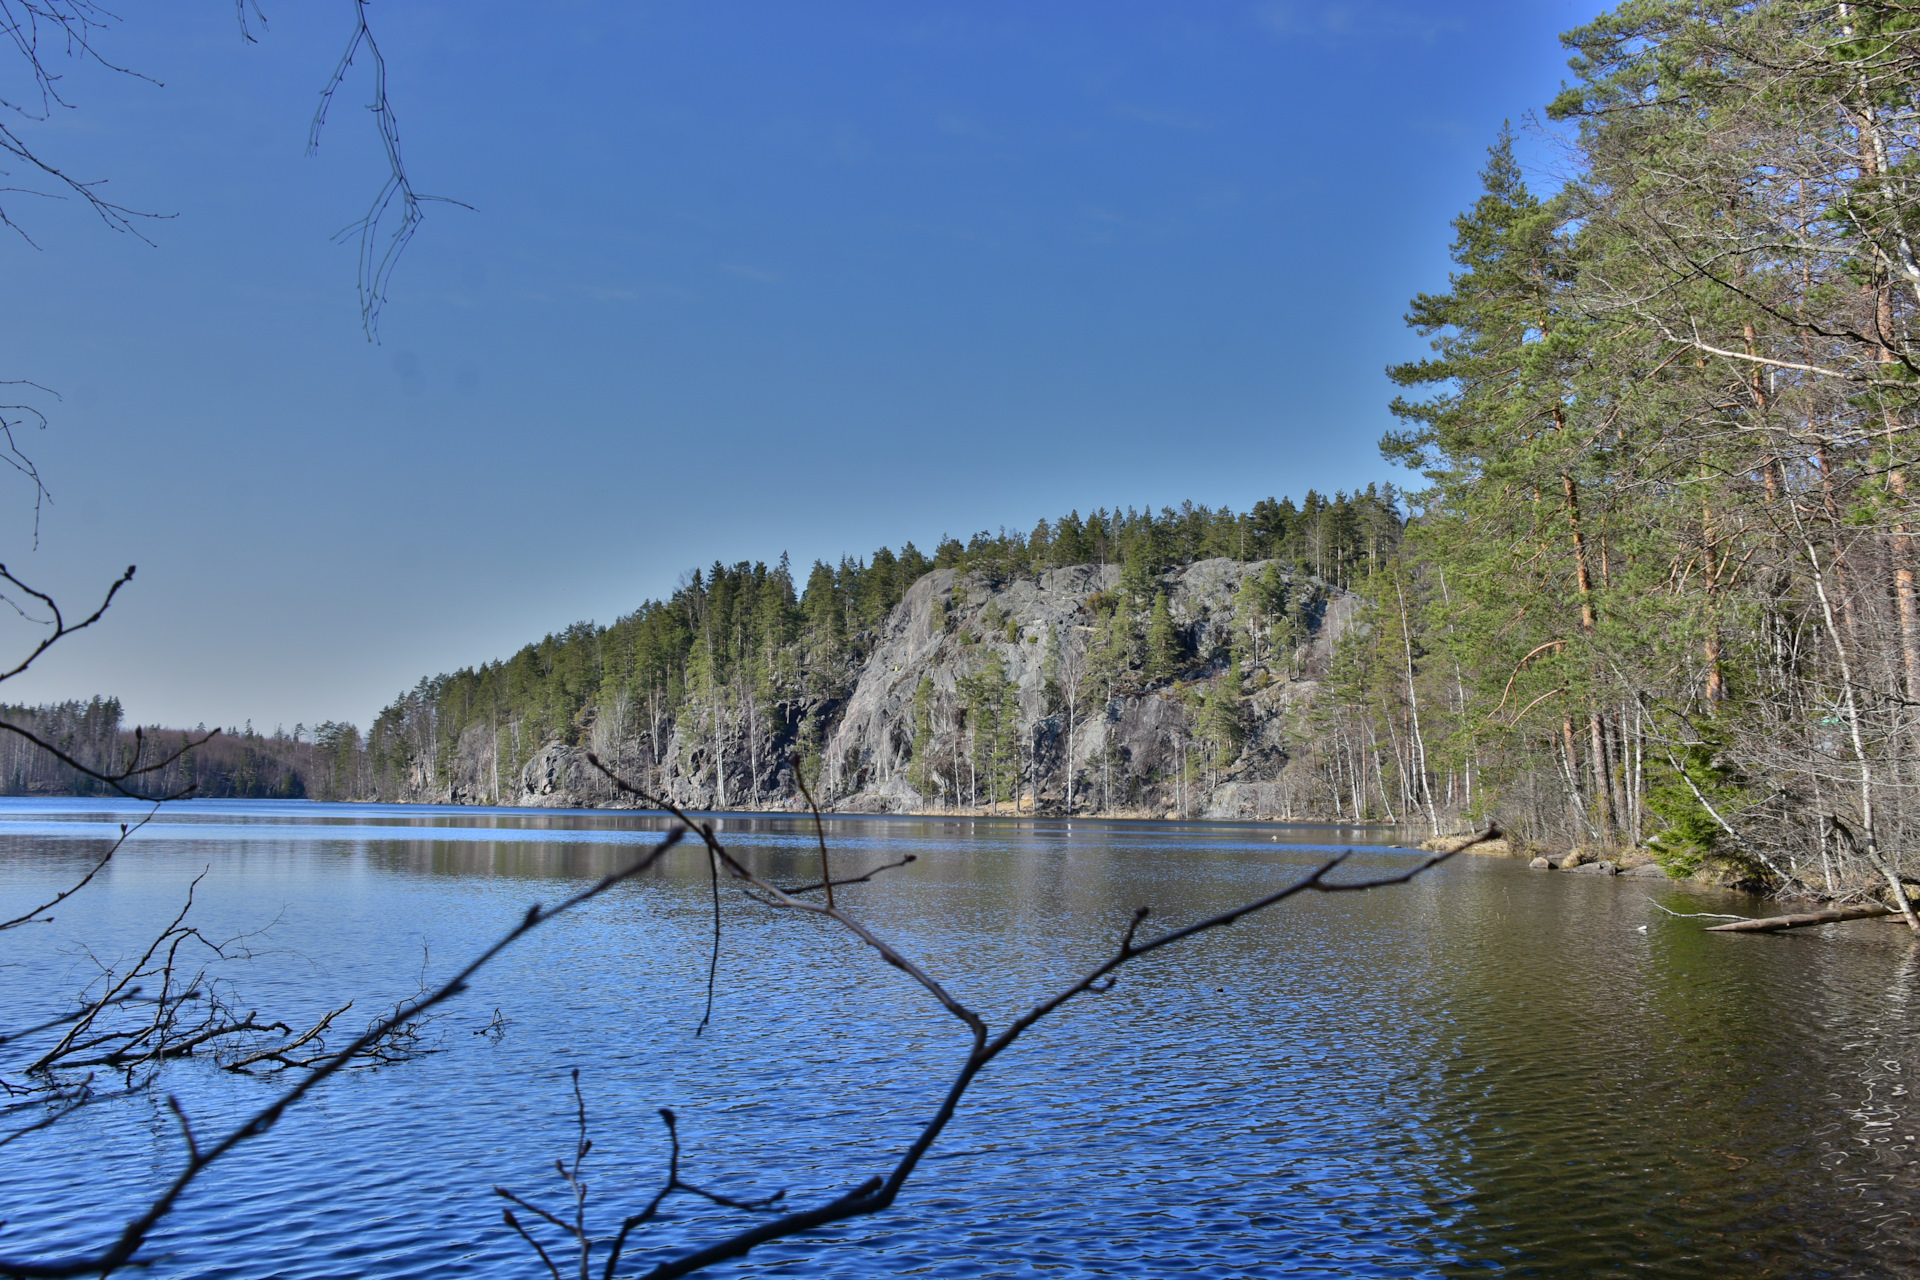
(992, 706)
(920, 775)
(1163, 644)
(1225, 723)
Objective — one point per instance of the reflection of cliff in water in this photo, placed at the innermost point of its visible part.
(593, 845)
(1487, 1068)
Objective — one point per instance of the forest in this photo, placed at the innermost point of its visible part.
(322, 763)
(746, 643)
(1658, 589)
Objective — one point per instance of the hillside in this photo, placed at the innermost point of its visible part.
(987, 694)
(903, 681)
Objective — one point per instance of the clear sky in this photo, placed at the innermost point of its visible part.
(739, 278)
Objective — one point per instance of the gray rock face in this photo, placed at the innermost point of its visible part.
(554, 778)
(1125, 747)
(1125, 752)
(1241, 800)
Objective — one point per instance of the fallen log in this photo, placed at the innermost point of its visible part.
(1773, 924)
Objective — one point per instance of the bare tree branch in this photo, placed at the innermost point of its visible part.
(378, 255)
(35, 915)
(879, 1192)
(134, 1234)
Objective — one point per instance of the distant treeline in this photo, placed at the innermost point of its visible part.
(325, 763)
(742, 645)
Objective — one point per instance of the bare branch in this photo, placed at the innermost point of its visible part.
(135, 1233)
(876, 1194)
(378, 257)
(35, 915)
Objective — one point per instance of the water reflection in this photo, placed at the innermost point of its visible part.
(1486, 1070)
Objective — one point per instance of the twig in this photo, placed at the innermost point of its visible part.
(377, 259)
(281, 1054)
(33, 915)
(71, 23)
(713, 955)
(61, 630)
(1695, 915)
(860, 879)
(128, 997)
(577, 1229)
(819, 829)
(134, 1235)
(877, 1193)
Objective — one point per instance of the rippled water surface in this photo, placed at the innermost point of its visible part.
(1487, 1071)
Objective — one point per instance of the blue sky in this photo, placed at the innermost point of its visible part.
(739, 278)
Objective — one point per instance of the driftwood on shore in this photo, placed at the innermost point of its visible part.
(1773, 924)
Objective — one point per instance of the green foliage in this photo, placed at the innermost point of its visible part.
(1163, 642)
(1050, 688)
(992, 705)
(1666, 423)
(920, 773)
(1691, 835)
(1110, 652)
(1339, 537)
(1223, 718)
(809, 740)
(1260, 613)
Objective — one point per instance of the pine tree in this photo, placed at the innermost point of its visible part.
(993, 711)
(1163, 645)
(1225, 725)
(920, 775)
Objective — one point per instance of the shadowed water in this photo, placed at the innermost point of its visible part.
(1487, 1071)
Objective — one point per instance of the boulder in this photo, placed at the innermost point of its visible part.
(1647, 871)
(1541, 864)
(543, 782)
(1500, 846)
(1601, 868)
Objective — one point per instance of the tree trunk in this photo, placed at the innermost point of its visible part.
(1851, 706)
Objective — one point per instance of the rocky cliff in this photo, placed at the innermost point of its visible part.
(1124, 740)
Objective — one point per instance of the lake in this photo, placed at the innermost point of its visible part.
(1486, 1071)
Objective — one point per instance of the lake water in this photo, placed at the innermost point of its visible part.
(1487, 1071)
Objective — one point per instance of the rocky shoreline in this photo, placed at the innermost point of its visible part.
(1638, 864)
